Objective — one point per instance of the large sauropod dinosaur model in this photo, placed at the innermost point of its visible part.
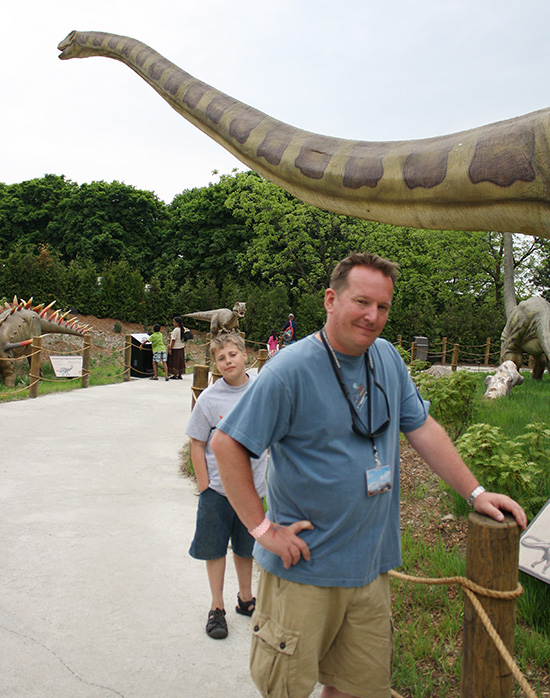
(527, 329)
(221, 319)
(495, 177)
(20, 322)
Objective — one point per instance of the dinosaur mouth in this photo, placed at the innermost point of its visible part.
(66, 45)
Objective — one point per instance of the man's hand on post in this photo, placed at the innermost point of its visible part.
(493, 504)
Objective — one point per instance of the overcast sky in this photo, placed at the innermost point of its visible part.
(359, 69)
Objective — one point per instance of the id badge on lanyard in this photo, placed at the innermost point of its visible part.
(379, 480)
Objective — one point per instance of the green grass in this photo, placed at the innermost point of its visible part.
(104, 369)
(529, 402)
(429, 619)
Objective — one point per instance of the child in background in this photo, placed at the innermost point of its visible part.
(272, 343)
(159, 352)
(217, 522)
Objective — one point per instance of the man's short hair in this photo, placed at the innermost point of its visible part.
(339, 278)
(225, 338)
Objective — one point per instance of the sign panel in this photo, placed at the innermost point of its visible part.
(67, 366)
(534, 548)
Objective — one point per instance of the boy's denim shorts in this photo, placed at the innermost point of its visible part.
(217, 524)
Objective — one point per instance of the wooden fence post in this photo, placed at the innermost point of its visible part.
(262, 358)
(399, 340)
(454, 360)
(487, 351)
(127, 356)
(444, 351)
(200, 382)
(413, 351)
(207, 356)
(492, 556)
(86, 362)
(34, 375)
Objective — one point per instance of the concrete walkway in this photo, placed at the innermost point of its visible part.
(98, 595)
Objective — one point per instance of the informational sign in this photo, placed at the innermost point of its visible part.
(534, 547)
(67, 366)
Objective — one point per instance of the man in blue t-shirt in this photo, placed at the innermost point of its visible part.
(337, 402)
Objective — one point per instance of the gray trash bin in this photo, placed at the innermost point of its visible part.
(421, 348)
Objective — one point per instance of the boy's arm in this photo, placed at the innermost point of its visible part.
(198, 460)
(238, 482)
(434, 445)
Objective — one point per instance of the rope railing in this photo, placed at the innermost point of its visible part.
(470, 588)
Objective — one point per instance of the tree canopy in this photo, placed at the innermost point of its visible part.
(110, 249)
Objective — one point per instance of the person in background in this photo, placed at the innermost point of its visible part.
(338, 399)
(176, 350)
(272, 343)
(289, 331)
(160, 355)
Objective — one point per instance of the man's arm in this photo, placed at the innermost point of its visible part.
(238, 482)
(433, 444)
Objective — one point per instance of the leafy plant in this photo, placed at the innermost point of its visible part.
(516, 467)
(452, 399)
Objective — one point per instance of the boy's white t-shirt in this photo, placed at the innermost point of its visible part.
(212, 406)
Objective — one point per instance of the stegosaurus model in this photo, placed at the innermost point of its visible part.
(20, 322)
(222, 319)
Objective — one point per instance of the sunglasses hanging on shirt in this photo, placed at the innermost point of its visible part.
(358, 425)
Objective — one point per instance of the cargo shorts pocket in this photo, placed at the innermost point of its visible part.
(272, 657)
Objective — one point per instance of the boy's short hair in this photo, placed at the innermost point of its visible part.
(224, 338)
(156, 328)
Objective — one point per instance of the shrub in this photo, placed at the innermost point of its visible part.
(516, 467)
(452, 399)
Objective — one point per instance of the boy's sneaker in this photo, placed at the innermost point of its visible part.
(216, 627)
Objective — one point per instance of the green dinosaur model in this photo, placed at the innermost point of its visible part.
(495, 177)
(527, 329)
(221, 319)
(20, 322)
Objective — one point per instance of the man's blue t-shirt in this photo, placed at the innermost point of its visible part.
(318, 464)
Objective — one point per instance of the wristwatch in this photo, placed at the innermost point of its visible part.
(478, 490)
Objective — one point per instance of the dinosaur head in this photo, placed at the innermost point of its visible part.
(240, 309)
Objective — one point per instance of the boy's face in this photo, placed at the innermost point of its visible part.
(230, 361)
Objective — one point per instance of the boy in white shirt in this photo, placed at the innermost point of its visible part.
(217, 522)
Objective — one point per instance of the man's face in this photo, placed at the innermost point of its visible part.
(357, 314)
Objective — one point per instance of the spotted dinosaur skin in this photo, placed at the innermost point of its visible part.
(495, 177)
(19, 323)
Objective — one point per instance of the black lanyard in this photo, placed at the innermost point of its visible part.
(355, 418)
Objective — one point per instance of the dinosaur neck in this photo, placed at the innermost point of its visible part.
(495, 177)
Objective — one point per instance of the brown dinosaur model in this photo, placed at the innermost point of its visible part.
(527, 329)
(221, 319)
(495, 177)
(20, 322)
